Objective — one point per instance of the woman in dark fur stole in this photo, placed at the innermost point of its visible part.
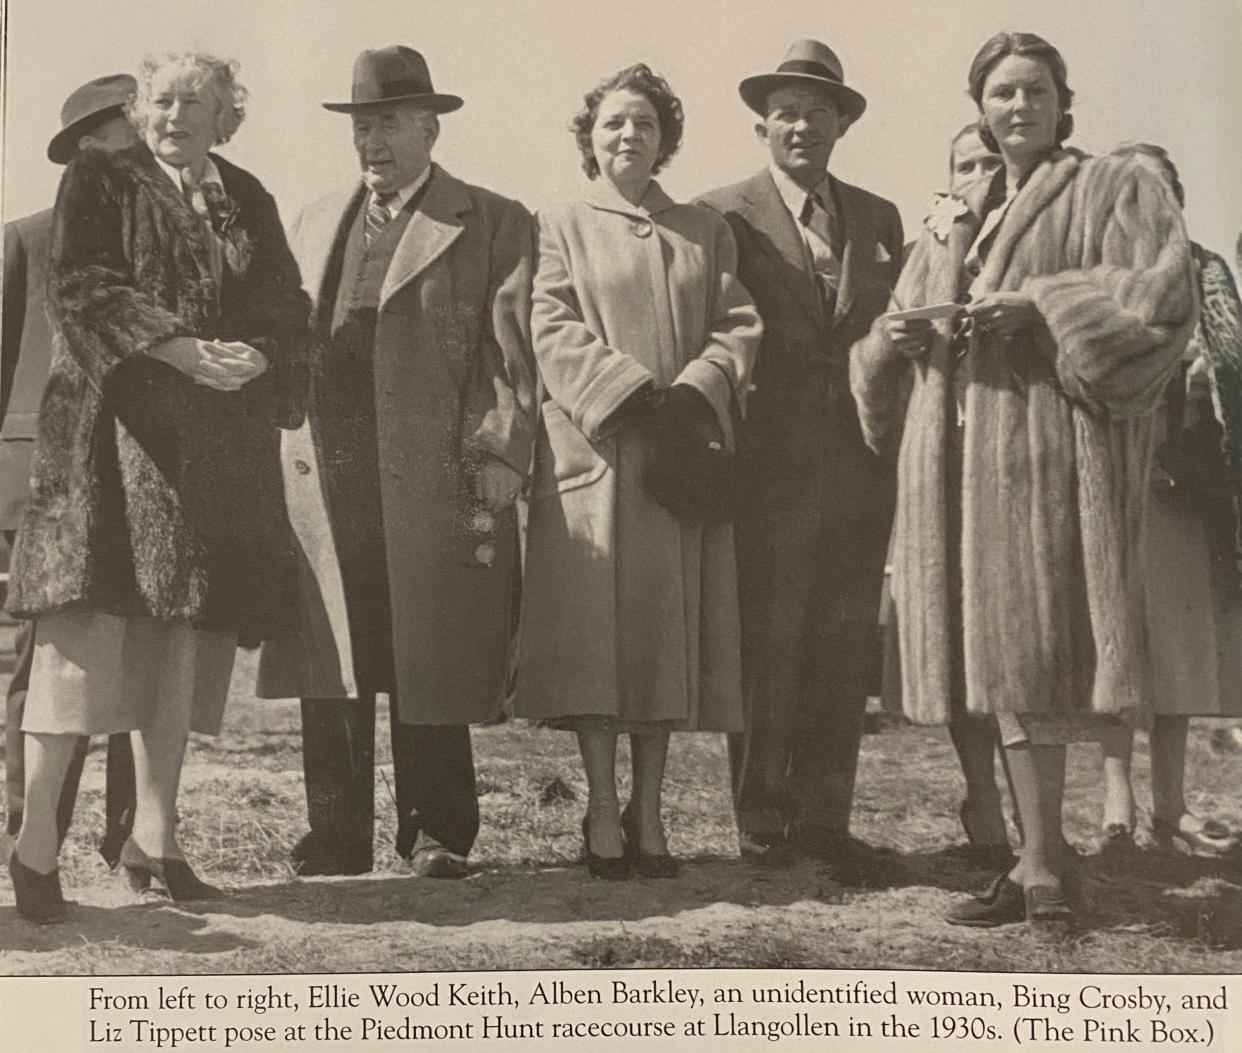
(155, 540)
(1194, 560)
(1025, 448)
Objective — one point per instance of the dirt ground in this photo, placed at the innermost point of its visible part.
(529, 903)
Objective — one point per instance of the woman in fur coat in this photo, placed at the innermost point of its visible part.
(1026, 444)
(155, 539)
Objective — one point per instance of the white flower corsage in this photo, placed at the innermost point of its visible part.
(946, 209)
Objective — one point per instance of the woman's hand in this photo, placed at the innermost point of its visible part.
(910, 336)
(223, 367)
(1003, 313)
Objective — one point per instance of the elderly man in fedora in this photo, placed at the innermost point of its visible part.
(93, 117)
(401, 486)
(819, 256)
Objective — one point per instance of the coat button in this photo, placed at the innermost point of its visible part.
(641, 228)
(301, 467)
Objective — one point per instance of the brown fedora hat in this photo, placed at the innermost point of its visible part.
(393, 74)
(806, 62)
(90, 100)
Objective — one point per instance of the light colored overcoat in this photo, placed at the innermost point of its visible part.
(627, 611)
(1057, 442)
(454, 380)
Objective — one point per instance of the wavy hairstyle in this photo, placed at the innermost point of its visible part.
(655, 89)
(1024, 45)
(220, 73)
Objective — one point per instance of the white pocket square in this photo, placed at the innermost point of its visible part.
(881, 254)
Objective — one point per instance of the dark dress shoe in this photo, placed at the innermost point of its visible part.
(1001, 903)
(756, 846)
(178, 879)
(438, 863)
(610, 868)
(39, 898)
(315, 856)
(646, 864)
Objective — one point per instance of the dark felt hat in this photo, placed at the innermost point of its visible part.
(93, 98)
(806, 62)
(393, 74)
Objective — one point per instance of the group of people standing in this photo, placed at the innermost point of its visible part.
(316, 443)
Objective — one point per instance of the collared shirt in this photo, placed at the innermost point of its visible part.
(211, 174)
(401, 198)
(823, 258)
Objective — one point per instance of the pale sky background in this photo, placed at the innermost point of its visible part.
(1161, 70)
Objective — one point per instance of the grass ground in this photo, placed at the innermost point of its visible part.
(530, 905)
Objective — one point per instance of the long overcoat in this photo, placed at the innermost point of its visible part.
(627, 611)
(1057, 442)
(454, 381)
(151, 494)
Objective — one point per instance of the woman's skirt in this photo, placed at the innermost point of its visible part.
(98, 674)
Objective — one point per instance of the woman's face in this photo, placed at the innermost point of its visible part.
(181, 117)
(1021, 108)
(626, 138)
(971, 160)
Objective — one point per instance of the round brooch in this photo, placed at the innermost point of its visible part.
(641, 228)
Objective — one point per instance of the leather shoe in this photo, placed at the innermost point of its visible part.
(316, 856)
(757, 846)
(1001, 903)
(438, 863)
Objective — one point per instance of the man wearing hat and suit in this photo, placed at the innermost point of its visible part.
(401, 486)
(820, 257)
(94, 118)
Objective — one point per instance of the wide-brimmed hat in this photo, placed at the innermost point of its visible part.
(393, 74)
(806, 62)
(90, 100)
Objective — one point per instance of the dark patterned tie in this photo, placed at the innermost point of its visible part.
(825, 260)
(378, 216)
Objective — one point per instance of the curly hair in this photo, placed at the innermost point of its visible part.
(220, 73)
(655, 89)
(1024, 45)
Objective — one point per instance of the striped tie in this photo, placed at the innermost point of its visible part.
(825, 253)
(378, 216)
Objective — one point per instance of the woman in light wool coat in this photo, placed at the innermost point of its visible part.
(1027, 447)
(629, 615)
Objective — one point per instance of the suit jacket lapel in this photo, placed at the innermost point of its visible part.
(314, 240)
(434, 226)
(769, 215)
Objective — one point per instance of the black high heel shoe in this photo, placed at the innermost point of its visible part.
(175, 875)
(39, 898)
(611, 868)
(648, 864)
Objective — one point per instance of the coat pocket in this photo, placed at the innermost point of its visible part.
(564, 458)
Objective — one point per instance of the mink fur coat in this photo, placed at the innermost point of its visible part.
(152, 495)
(1057, 443)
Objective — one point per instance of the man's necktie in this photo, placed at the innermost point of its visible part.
(378, 216)
(821, 225)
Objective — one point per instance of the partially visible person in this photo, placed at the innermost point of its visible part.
(1025, 449)
(1194, 559)
(820, 258)
(401, 485)
(645, 340)
(92, 118)
(155, 539)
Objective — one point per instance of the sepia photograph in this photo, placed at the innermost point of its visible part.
(563, 485)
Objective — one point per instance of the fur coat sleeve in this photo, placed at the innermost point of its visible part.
(104, 316)
(1119, 320)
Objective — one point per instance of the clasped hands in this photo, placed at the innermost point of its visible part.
(224, 365)
(999, 314)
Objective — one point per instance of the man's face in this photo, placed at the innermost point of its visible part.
(112, 135)
(801, 128)
(393, 144)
